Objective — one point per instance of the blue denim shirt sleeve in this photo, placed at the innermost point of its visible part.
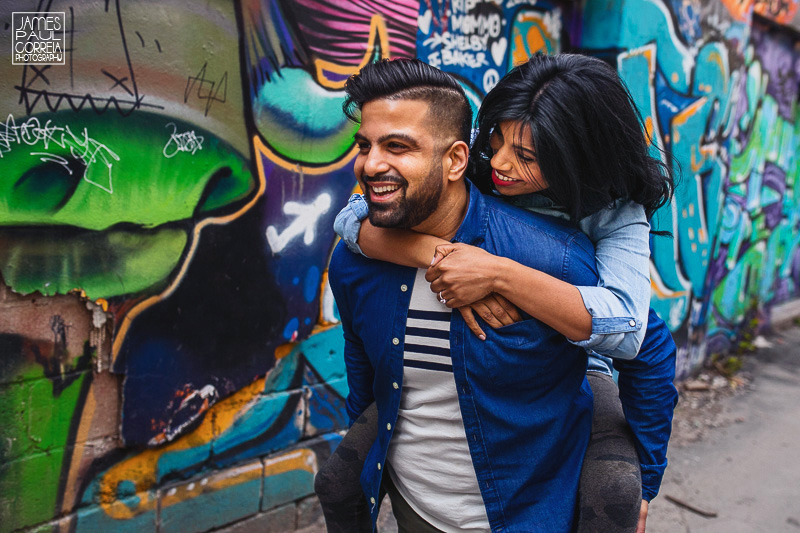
(348, 222)
(620, 301)
(360, 373)
(648, 398)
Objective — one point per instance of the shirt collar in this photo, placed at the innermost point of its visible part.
(473, 227)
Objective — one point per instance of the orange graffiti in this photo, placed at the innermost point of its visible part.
(741, 10)
(780, 11)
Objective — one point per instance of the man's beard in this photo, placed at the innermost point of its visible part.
(408, 211)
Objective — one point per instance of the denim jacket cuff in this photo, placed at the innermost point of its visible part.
(348, 222)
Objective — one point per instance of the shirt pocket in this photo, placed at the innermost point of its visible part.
(521, 355)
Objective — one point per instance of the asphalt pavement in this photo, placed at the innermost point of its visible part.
(733, 461)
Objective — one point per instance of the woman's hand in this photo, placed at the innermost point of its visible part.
(493, 309)
(641, 526)
(462, 274)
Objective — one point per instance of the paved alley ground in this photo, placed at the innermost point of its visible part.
(736, 454)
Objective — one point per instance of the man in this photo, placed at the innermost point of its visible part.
(473, 434)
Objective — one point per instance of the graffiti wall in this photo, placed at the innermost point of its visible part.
(720, 90)
(170, 356)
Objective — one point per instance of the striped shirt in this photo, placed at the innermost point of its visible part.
(428, 458)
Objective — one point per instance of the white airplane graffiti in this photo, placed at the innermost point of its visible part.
(305, 223)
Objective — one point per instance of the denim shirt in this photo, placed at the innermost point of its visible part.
(523, 395)
(619, 303)
(647, 392)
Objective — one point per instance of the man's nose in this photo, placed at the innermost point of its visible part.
(375, 163)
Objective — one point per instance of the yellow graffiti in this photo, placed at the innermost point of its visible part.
(649, 129)
(661, 290)
(263, 149)
(303, 459)
(535, 40)
(681, 118)
(716, 57)
(705, 151)
(141, 469)
(378, 34)
(236, 476)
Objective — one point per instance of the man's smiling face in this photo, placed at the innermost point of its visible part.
(399, 162)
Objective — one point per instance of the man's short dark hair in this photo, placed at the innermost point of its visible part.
(411, 79)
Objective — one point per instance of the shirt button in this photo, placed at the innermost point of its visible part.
(632, 323)
(395, 385)
(372, 501)
(379, 466)
(388, 427)
(404, 287)
(395, 341)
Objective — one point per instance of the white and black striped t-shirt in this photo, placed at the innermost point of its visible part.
(428, 457)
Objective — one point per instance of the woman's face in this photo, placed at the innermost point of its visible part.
(515, 167)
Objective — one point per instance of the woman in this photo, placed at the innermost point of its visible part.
(558, 134)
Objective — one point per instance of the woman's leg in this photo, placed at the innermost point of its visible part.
(610, 491)
(338, 481)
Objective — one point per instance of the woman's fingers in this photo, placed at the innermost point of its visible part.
(487, 314)
(442, 251)
(509, 308)
(472, 324)
(497, 310)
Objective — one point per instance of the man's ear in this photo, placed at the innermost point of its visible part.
(455, 160)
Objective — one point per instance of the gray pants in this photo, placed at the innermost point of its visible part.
(610, 492)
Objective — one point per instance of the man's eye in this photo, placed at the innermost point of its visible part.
(396, 146)
(363, 147)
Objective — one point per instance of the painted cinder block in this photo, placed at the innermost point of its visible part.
(55, 330)
(325, 409)
(120, 516)
(289, 475)
(278, 520)
(54, 404)
(64, 525)
(212, 501)
(14, 400)
(105, 399)
(29, 489)
(272, 422)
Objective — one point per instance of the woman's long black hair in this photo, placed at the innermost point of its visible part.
(586, 130)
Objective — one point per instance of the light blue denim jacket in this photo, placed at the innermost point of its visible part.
(620, 302)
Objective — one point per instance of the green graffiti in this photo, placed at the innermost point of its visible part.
(85, 171)
(36, 426)
(107, 208)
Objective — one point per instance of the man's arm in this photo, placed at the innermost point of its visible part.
(360, 373)
(648, 398)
